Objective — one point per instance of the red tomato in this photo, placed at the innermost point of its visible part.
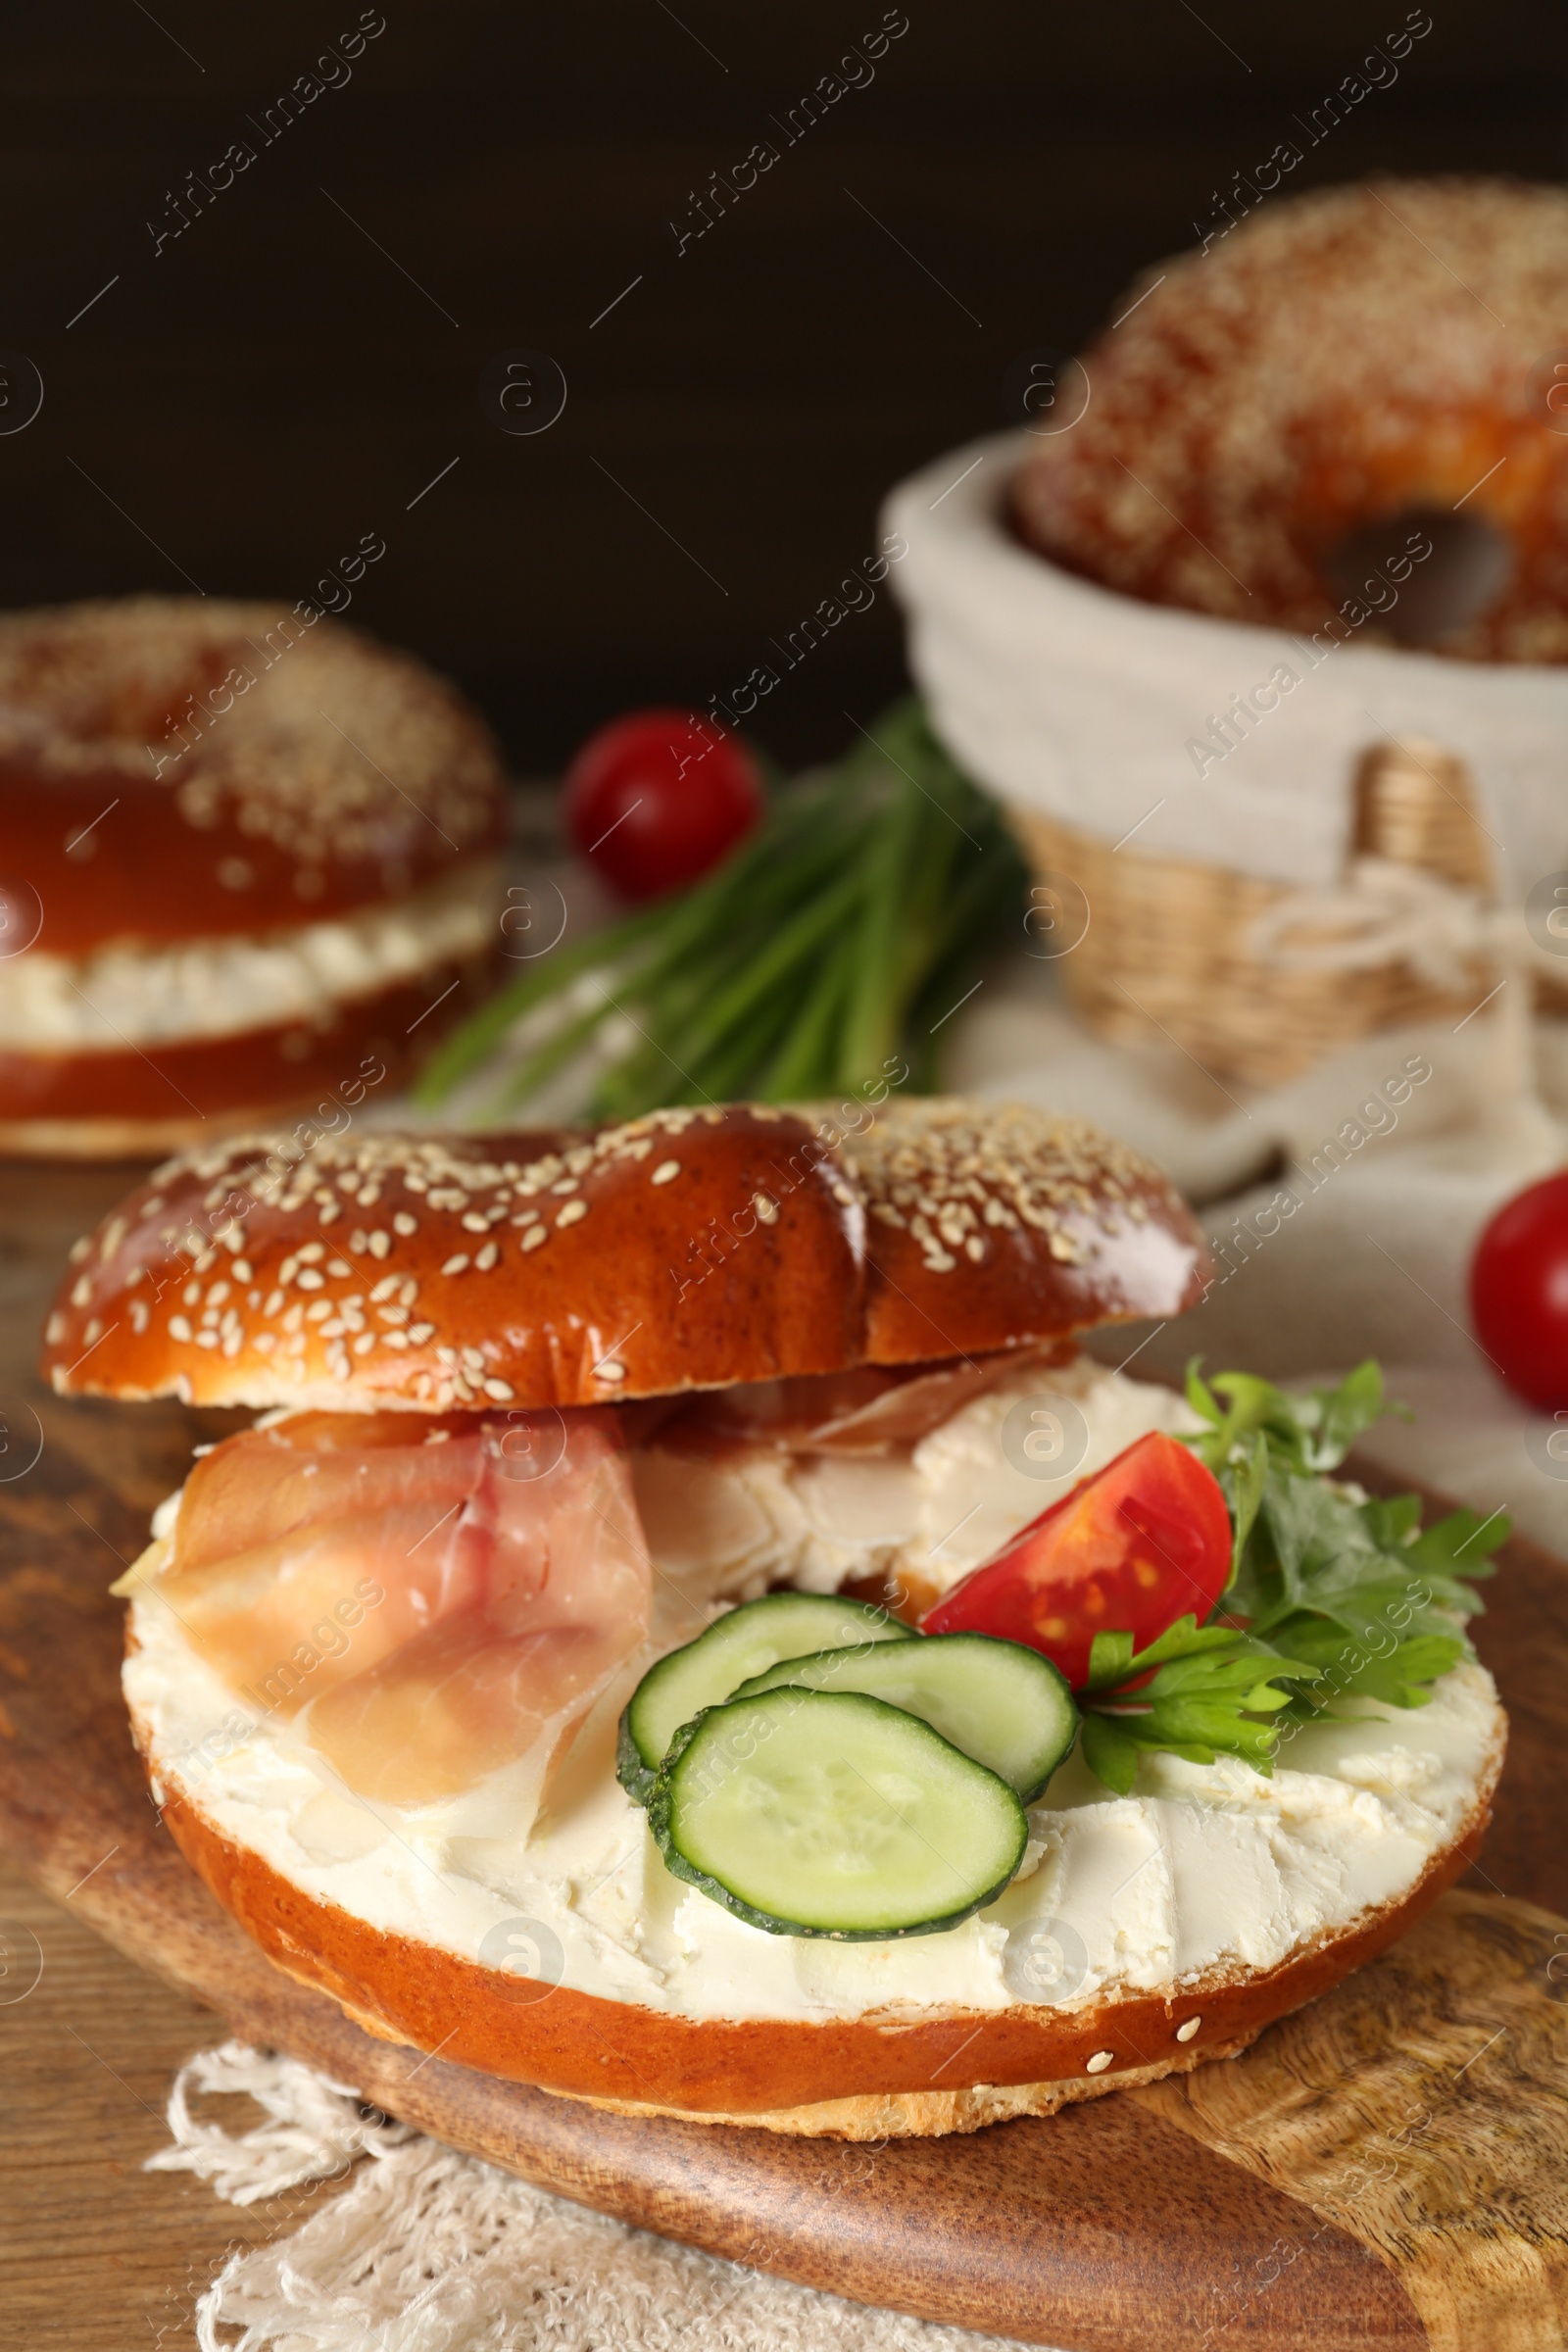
(1519, 1292)
(1143, 1542)
(657, 797)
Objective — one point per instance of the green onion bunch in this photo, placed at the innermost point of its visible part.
(832, 942)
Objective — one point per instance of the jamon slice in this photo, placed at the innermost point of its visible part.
(565, 1599)
(267, 1482)
(439, 1614)
(456, 1705)
(305, 1552)
(870, 1410)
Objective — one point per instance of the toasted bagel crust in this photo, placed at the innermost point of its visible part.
(237, 804)
(848, 2077)
(686, 1249)
(1343, 359)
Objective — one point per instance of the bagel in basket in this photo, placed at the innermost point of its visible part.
(1348, 406)
(250, 859)
(565, 1436)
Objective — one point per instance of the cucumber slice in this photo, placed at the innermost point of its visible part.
(1005, 1705)
(828, 1813)
(781, 1625)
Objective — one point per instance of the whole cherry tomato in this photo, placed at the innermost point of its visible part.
(657, 797)
(1143, 1542)
(1519, 1292)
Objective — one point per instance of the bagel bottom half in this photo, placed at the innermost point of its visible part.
(177, 1091)
(872, 2077)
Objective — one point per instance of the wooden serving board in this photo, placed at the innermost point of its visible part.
(1386, 2169)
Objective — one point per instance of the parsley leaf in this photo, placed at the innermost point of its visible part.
(1332, 1596)
(1314, 1432)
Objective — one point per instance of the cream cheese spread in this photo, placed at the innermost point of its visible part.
(224, 986)
(731, 1525)
(1204, 1868)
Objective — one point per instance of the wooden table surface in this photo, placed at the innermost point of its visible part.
(95, 2254)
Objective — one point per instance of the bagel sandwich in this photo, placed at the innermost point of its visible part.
(689, 1630)
(251, 864)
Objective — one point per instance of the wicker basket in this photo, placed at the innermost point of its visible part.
(1166, 952)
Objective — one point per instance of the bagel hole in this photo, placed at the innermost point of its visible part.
(1470, 565)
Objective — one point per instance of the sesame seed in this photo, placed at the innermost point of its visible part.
(473, 1222)
(405, 1224)
(311, 1253)
(419, 1333)
(190, 1295)
(486, 1257)
(667, 1171)
(54, 1328)
(573, 1211)
(1187, 2028)
(766, 1208)
(1099, 2061)
(610, 1371)
(242, 1269)
(380, 1242)
(534, 1236)
(364, 1342)
(308, 1279)
(499, 1391)
(456, 1265)
(178, 1328)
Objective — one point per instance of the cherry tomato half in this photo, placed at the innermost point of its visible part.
(657, 797)
(1519, 1292)
(1143, 1542)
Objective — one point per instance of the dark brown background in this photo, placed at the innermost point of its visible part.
(271, 387)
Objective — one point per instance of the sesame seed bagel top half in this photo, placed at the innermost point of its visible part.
(688, 1248)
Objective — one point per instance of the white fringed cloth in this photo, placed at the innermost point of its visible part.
(424, 2250)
